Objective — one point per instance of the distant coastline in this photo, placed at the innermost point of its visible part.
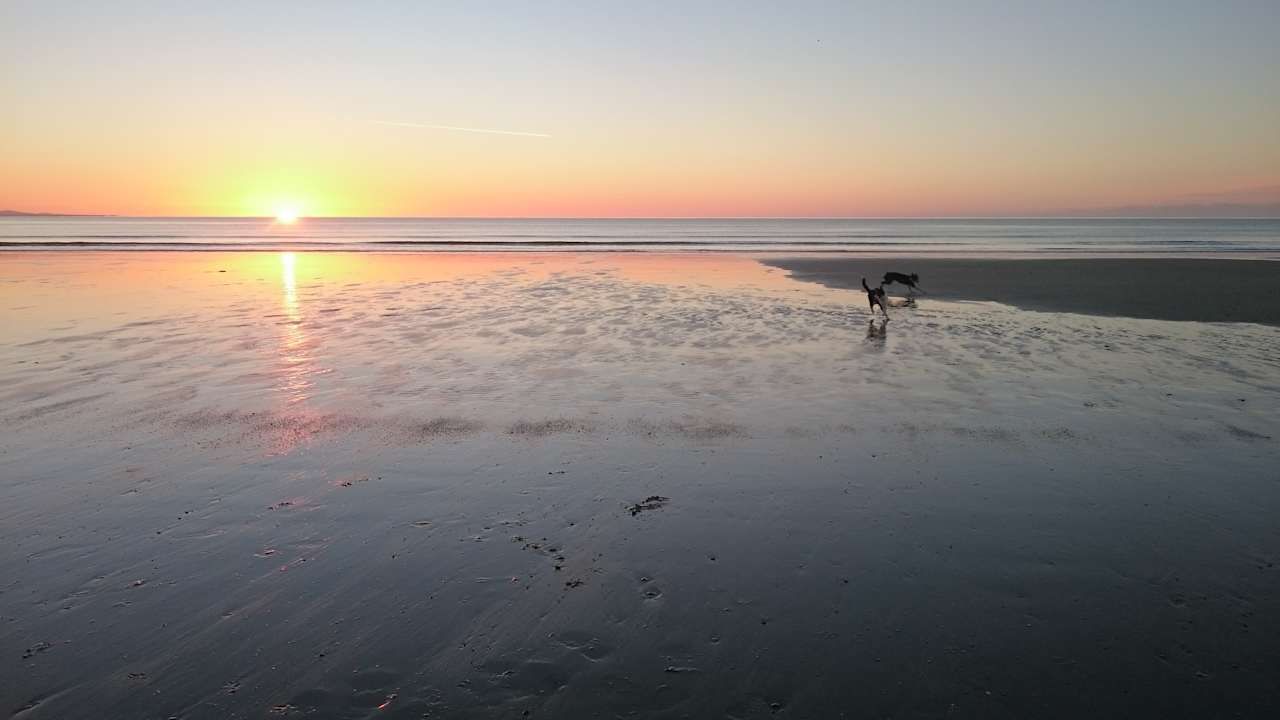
(1204, 211)
(20, 213)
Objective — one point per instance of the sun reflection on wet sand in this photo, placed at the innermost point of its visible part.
(295, 358)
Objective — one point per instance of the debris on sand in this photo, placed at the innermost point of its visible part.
(35, 650)
(653, 502)
(574, 583)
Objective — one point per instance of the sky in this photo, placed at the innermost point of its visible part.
(626, 109)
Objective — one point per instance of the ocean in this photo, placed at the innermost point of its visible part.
(934, 237)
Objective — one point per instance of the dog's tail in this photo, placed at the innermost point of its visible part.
(865, 286)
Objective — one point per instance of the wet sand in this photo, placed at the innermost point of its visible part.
(248, 485)
(1199, 289)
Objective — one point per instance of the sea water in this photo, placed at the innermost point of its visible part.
(934, 237)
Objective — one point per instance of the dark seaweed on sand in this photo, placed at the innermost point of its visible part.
(653, 502)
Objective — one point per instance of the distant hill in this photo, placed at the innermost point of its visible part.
(19, 213)
(1189, 210)
(1257, 202)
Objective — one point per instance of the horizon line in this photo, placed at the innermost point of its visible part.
(24, 214)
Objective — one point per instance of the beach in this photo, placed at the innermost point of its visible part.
(571, 484)
(1166, 288)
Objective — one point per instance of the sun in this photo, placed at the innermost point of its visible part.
(286, 215)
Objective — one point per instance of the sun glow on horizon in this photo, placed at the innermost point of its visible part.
(842, 110)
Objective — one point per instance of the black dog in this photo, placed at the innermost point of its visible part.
(901, 278)
(875, 297)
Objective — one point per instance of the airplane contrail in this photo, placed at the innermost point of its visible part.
(461, 129)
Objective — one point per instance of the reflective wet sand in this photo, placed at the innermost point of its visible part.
(355, 485)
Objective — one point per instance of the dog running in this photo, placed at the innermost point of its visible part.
(902, 279)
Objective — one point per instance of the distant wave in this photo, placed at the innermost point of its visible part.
(178, 242)
(562, 239)
(577, 240)
(566, 238)
(905, 248)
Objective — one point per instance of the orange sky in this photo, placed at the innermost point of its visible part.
(825, 110)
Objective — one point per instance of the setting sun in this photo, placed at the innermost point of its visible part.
(286, 215)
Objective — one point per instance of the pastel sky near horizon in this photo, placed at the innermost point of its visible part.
(636, 109)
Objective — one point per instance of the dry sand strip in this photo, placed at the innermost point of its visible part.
(1204, 290)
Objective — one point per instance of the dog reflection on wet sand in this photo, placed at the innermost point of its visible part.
(877, 332)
